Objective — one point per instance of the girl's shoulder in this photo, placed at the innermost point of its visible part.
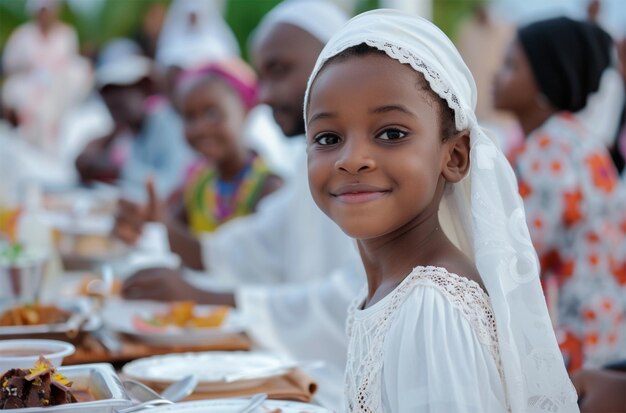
(455, 294)
(459, 290)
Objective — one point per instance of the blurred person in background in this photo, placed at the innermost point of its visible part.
(42, 57)
(145, 140)
(482, 39)
(569, 184)
(231, 179)
(618, 146)
(194, 33)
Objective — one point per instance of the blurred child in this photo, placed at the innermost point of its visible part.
(214, 104)
(145, 140)
(453, 319)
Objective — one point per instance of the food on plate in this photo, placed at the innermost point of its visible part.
(183, 315)
(39, 386)
(29, 315)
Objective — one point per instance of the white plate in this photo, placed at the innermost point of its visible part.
(118, 316)
(210, 368)
(235, 405)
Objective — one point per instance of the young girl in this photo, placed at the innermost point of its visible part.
(214, 103)
(453, 319)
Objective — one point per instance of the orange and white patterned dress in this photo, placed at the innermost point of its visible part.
(572, 196)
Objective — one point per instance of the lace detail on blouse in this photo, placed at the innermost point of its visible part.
(363, 380)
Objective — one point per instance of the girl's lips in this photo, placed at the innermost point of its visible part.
(358, 193)
(360, 197)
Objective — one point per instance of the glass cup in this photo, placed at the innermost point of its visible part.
(21, 277)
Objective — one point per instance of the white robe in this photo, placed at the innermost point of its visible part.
(426, 347)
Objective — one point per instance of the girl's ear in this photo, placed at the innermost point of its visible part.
(456, 161)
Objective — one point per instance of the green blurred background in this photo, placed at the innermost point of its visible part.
(122, 18)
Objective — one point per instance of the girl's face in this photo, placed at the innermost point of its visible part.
(375, 153)
(214, 116)
(514, 87)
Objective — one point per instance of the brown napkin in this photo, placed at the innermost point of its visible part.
(294, 385)
(91, 351)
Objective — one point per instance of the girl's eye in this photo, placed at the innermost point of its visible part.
(326, 139)
(391, 134)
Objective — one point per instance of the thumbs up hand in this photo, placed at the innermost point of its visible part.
(132, 216)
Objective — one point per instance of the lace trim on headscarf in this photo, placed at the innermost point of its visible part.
(434, 79)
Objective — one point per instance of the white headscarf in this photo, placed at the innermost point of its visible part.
(188, 45)
(484, 212)
(320, 18)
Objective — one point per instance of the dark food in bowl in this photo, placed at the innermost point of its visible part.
(40, 386)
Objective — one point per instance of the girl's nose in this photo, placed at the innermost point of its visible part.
(355, 157)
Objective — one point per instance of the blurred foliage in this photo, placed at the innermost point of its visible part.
(123, 18)
(447, 14)
(244, 15)
(365, 5)
(114, 19)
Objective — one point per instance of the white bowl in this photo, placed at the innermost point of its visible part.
(53, 350)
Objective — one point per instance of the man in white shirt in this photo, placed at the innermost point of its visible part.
(311, 270)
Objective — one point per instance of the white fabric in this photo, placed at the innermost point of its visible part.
(438, 321)
(187, 45)
(307, 322)
(22, 163)
(123, 71)
(604, 107)
(46, 77)
(486, 219)
(28, 49)
(320, 18)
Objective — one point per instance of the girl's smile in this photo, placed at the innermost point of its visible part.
(357, 193)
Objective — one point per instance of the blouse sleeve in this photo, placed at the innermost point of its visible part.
(436, 362)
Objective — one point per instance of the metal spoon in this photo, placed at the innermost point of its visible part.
(255, 401)
(144, 405)
(140, 391)
(174, 392)
(181, 389)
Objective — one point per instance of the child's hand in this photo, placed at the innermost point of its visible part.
(129, 221)
(132, 216)
(155, 208)
(162, 284)
(600, 390)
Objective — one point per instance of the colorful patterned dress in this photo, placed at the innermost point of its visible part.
(572, 199)
(210, 202)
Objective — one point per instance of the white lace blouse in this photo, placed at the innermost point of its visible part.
(430, 346)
